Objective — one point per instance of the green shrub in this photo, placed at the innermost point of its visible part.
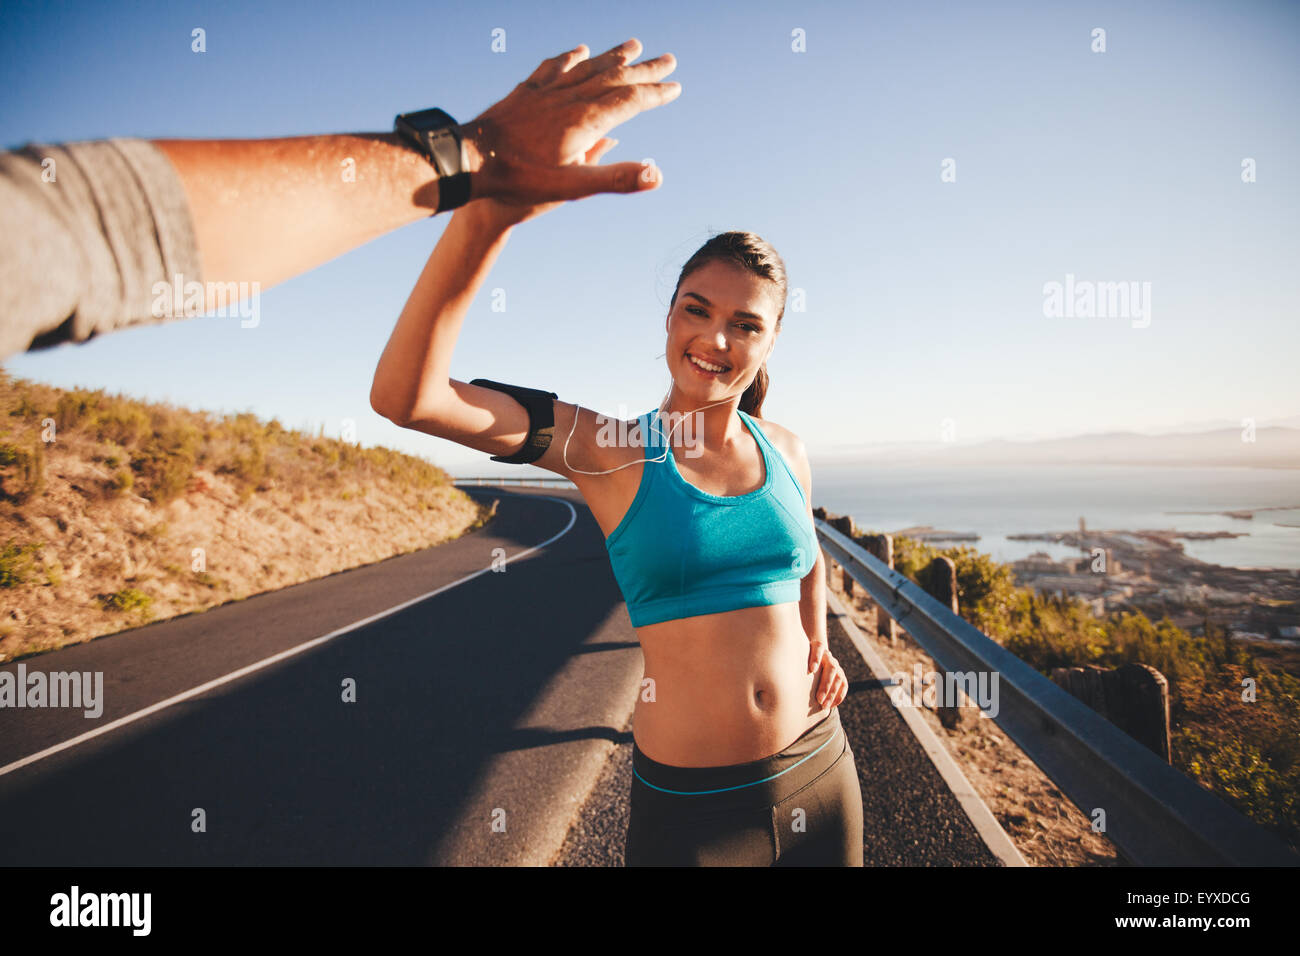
(74, 407)
(165, 461)
(22, 472)
(122, 424)
(251, 467)
(121, 483)
(128, 599)
(328, 451)
(25, 407)
(17, 563)
(34, 476)
(986, 590)
(1238, 770)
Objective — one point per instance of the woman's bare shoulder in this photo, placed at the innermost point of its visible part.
(586, 441)
(796, 455)
(789, 444)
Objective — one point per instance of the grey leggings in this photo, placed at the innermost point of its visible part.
(799, 807)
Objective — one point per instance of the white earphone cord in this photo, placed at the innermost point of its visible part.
(667, 439)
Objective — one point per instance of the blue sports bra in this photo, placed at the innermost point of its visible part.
(681, 552)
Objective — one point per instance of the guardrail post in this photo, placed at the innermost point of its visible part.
(940, 581)
(844, 525)
(1134, 697)
(882, 546)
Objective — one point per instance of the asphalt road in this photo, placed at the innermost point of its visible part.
(490, 724)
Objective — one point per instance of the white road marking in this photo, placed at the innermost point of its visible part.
(314, 642)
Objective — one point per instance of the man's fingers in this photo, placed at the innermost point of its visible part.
(623, 102)
(573, 57)
(651, 71)
(593, 155)
(553, 66)
(611, 59)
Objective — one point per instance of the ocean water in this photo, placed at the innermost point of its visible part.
(994, 501)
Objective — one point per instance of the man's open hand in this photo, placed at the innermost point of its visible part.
(535, 146)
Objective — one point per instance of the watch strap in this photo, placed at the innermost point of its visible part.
(437, 136)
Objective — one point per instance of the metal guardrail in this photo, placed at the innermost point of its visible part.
(1155, 814)
(538, 482)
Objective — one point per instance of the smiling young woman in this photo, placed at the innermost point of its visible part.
(739, 757)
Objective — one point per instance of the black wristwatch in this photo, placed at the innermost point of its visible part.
(435, 134)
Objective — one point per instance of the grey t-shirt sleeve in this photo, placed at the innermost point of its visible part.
(86, 230)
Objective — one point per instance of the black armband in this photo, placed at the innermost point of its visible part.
(541, 419)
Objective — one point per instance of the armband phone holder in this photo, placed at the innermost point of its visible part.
(541, 419)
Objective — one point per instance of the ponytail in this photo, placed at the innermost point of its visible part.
(751, 402)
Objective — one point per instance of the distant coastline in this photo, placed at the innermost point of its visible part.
(1271, 447)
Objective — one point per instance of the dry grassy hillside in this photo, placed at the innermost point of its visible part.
(114, 512)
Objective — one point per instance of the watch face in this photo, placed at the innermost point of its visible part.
(426, 120)
(435, 134)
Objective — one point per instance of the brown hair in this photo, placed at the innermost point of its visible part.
(749, 252)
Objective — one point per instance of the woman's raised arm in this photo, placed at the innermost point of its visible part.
(412, 386)
(411, 383)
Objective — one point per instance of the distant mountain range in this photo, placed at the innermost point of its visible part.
(1273, 447)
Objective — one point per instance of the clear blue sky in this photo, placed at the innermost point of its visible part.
(924, 298)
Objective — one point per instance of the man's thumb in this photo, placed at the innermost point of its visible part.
(579, 181)
(616, 177)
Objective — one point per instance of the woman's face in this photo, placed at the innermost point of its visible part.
(723, 316)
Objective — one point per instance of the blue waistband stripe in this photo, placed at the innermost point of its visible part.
(694, 793)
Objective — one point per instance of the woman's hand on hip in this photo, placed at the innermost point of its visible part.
(831, 684)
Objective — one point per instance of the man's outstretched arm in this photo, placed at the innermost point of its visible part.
(265, 210)
(87, 230)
